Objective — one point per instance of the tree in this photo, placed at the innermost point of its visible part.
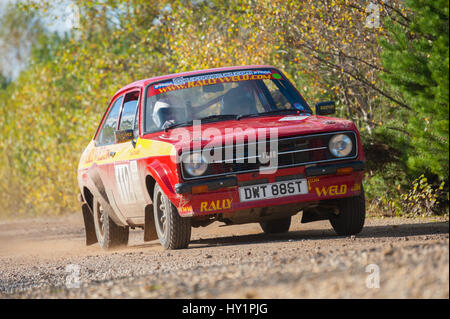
(4, 81)
(416, 61)
(19, 31)
(49, 113)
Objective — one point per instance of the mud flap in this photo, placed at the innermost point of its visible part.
(316, 214)
(149, 227)
(88, 216)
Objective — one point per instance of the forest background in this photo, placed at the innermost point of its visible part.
(385, 63)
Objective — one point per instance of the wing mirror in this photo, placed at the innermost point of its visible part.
(325, 108)
(124, 136)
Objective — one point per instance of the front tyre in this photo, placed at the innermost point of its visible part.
(109, 235)
(174, 231)
(276, 226)
(352, 213)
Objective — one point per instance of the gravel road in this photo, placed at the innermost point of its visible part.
(39, 257)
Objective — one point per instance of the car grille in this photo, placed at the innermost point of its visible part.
(291, 151)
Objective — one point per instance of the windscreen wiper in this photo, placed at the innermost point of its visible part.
(219, 117)
(215, 117)
(174, 125)
(285, 111)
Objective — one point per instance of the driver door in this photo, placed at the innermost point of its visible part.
(128, 190)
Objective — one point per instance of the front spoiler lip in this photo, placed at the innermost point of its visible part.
(213, 184)
(218, 183)
(331, 169)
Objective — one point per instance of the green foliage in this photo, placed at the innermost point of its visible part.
(3, 82)
(423, 198)
(416, 62)
(390, 187)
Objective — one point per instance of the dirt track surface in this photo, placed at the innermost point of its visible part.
(310, 261)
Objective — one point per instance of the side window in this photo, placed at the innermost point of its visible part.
(106, 135)
(129, 111)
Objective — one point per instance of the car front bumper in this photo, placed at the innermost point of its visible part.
(221, 195)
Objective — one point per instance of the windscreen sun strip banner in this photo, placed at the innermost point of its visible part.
(180, 83)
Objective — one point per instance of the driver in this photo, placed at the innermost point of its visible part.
(165, 113)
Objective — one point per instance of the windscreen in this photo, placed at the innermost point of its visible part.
(184, 99)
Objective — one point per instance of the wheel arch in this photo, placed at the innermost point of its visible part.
(150, 183)
(159, 173)
(149, 224)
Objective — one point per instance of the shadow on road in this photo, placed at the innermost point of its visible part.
(404, 230)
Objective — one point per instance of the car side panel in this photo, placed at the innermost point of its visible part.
(147, 157)
(94, 175)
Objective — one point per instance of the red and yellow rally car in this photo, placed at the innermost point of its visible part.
(235, 145)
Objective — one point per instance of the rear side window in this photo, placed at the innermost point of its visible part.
(128, 116)
(106, 135)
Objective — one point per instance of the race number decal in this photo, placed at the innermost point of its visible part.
(127, 179)
(135, 180)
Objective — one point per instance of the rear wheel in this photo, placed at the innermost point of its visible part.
(109, 235)
(351, 217)
(276, 226)
(174, 231)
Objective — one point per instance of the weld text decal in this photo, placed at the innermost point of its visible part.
(331, 190)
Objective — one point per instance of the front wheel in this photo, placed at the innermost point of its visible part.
(276, 226)
(174, 231)
(109, 235)
(351, 217)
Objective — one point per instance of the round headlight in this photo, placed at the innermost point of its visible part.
(195, 164)
(340, 145)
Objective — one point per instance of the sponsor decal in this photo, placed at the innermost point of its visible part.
(185, 209)
(101, 155)
(276, 76)
(162, 85)
(122, 136)
(90, 157)
(209, 79)
(331, 190)
(299, 107)
(294, 118)
(216, 205)
(327, 107)
(135, 152)
(183, 200)
(356, 187)
(312, 181)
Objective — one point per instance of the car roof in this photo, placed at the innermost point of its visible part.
(145, 82)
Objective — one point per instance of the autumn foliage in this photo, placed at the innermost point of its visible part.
(330, 48)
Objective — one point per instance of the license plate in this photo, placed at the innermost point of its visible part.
(273, 190)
